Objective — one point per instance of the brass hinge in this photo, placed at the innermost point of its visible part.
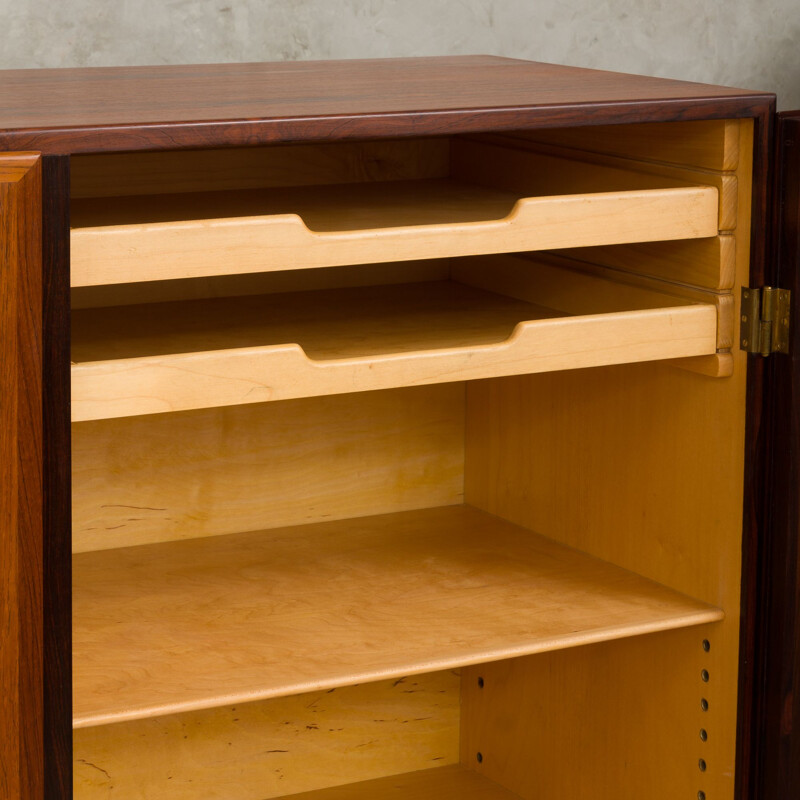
(765, 320)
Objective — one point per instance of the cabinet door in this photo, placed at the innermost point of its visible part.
(21, 551)
(776, 728)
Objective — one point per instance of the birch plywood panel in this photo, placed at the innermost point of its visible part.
(152, 479)
(615, 720)
(256, 751)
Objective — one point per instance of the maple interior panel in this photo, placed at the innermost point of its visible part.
(432, 784)
(260, 750)
(163, 477)
(656, 457)
(142, 292)
(621, 710)
(707, 144)
(176, 356)
(129, 174)
(285, 611)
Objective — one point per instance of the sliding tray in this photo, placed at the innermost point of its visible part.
(145, 238)
(203, 353)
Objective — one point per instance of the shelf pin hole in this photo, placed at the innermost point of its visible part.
(702, 764)
(701, 795)
(706, 645)
(480, 683)
(703, 735)
(480, 758)
(704, 704)
(704, 675)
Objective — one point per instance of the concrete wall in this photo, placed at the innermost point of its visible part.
(743, 43)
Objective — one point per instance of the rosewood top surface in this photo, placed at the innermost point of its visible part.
(96, 109)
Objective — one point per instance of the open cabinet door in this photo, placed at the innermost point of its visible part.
(776, 729)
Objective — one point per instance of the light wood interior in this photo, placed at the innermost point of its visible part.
(432, 784)
(656, 458)
(279, 747)
(711, 144)
(272, 613)
(194, 354)
(591, 581)
(526, 200)
(168, 172)
(142, 480)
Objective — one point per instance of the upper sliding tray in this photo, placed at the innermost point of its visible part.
(559, 204)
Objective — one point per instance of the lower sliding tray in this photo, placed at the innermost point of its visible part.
(166, 628)
(203, 353)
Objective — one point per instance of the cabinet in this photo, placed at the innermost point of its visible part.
(386, 429)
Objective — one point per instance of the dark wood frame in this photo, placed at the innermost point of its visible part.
(768, 758)
(775, 749)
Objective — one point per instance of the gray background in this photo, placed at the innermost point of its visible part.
(743, 43)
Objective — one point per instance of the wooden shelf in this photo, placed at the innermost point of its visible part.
(205, 353)
(174, 627)
(450, 782)
(146, 238)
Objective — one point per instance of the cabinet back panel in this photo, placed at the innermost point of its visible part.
(123, 294)
(202, 473)
(122, 174)
(279, 747)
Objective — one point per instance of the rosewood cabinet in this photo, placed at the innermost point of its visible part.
(397, 429)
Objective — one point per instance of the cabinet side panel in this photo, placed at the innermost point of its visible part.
(21, 630)
(643, 466)
(624, 719)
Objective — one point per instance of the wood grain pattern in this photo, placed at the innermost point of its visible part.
(173, 107)
(610, 719)
(183, 236)
(141, 480)
(255, 751)
(22, 754)
(280, 612)
(706, 263)
(643, 466)
(172, 357)
(115, 175)
(125, 294)
(432, 784)
(510, 164)
(593, 287)
(56, 480)
(774, 746)
(757, 505)
(710, 144)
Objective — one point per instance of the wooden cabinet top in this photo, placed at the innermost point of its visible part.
(167, 107)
